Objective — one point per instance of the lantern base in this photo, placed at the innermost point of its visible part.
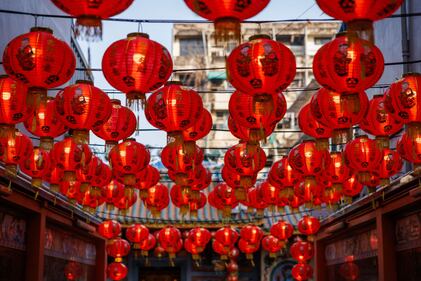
(363, 28)
(7, 130)
(246, 182)
(136, 101)
(80, 136)
(11, 170)
(322, 144)
(227, 30)
(88, 28)
(383, 142)
(341, 136)
(240, 194)
(46, 143)
(414, 130)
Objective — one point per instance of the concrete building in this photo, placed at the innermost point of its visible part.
(194, 48)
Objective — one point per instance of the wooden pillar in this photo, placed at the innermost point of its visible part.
(320, 266)
(386, 247)
(101, 261)
(35, 234)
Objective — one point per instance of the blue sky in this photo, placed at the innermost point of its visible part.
(176, 9)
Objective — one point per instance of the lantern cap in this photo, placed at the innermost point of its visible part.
(173, 83)
(84, 82)
(138, 34)
(410, 74)
(259, 36)
(41, 29)
(116, 101)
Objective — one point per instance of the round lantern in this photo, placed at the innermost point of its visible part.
(72, 271)
(283, 176)
(69, 156)
(157, 199)
(199, 236)
(251, 136)
(272, 245)
(257, 112)
(237, 181)
(111, 191)
(116, 271)
(45, 123)
(227, 237)
(302, 251)
(308, 160)
(109, 229)
(261, 66)
(309, 226)
(136, 66)
(348, 64)
(227, 15)
(379, 122)
(169, 238)
(200, 129)
(410, 149)
(220, 249)
(175, 158)
(302, 272)
(125, 202)
(403, 101)
(39, 60)
(351, 188)
(90, 13)
(118, 248)
(196, 203)
(81, 107)
(128, 158)
(337, 171)
(14, 147)
(223, 198)
(282, 230)
(270, 194)
(311, 127)
(147, 178)
(363, 156)
(146, 245)
(390, 165)
(254, 202)
(137, 233)
(360, 14)
(54, 177)
(248, 249)
(245, 161)
(14, 104)
(339, 111)
(252, 234)
(120, 125)
(174, 108)
(37, 165)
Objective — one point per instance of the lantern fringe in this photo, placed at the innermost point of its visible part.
(88, 28)
(240, 194)
(46, 143)
(322, 144)
(341, 136)
(383, 142)
(136, 101)
(227, 30)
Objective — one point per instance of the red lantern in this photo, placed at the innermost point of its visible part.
(379, 122)
(127, 201)
(311, 127)
(147, 178)
(352, 187)
(337, 172)
(349, 270)
(232, 267)
(14, 147)
(251, 136)
(157, 199)
(348, 64)
(257, 112)
(37, 165)
(302, 272)
(302, 251)
(169, 238)
(14, 104)
(91, 199)
(54, 177)
(402, 100)
(196, 203)
(410, 149)
(118, 248)
(129, 158)
(110, 192)
(220, 249)
(137, 233)
(270, 194)
(174, 108)
(137, 65)
(227, 237)
(72, 270)
(39, 60)
(272, 245)
(240, 183)
(175, 158)
(109, 229)
(252, 234)
(81, 107)
(45, 123)
(71, 189)
(90, 13)
(85, 175)
(255, 201)
(363, 156)
(227, 15)
(282, 230)
(148, 244)
(282, 176)
(308, 225)
(390, 165)
(199, 236)
(248, 248)
(116, 271)
(223, 198)
(245, 161)
(119, 126)
(200, 129)
(359, 15)
(261, 66)
(339, 111)
(69, 156)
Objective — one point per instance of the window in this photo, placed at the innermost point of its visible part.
(321, 40)
(292, 40)
(191, 46)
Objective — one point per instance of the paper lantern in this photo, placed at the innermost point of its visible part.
(14, 147)
(110, 192)
(302, 251)
(270, 194)
(251, 136)
(37, 165)
(337, 172)
(248, 249)
(390, 165)
(311, 127)
(118, 248)
(157, 199)
(146, 245)
(272, 245)
(309, 226)
(227, 237)
(200, 129)
(109, 229)
(137, 233)
(125, 202)
(117, 271)
(254, 202)
(245, 161)
(252, 234)
(282, 230)
(302, 272)
(410, 149)
(283, 176)
(169, 238)
(147, 178)
(352, 188)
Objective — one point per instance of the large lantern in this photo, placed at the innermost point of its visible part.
(302, 251)
(390, 165)
(89, 14)
(282, 230)
(311, 127)
(363, 156)
(37, 165)
(109, 229)
(174, 108)
(199, 236)
(272, 245)
(128, 158)
(117, 271)
(169, 238)
(118, 248)
(45, 123)
(137, 233)
(302, 272)
(337, 172)
(309, 226)
(252, 234)
(251, 136)
(379, 122)
(120, 125)
(157, 199)
(81, 107)
(14, 147)
(339, 111)
(227, 15)
(39, 60)
(348, 64)
(359, 15)
(261, 66)
(245, 161)
(175, 158)
(410, 149)
(227, 237)
(136, 66)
